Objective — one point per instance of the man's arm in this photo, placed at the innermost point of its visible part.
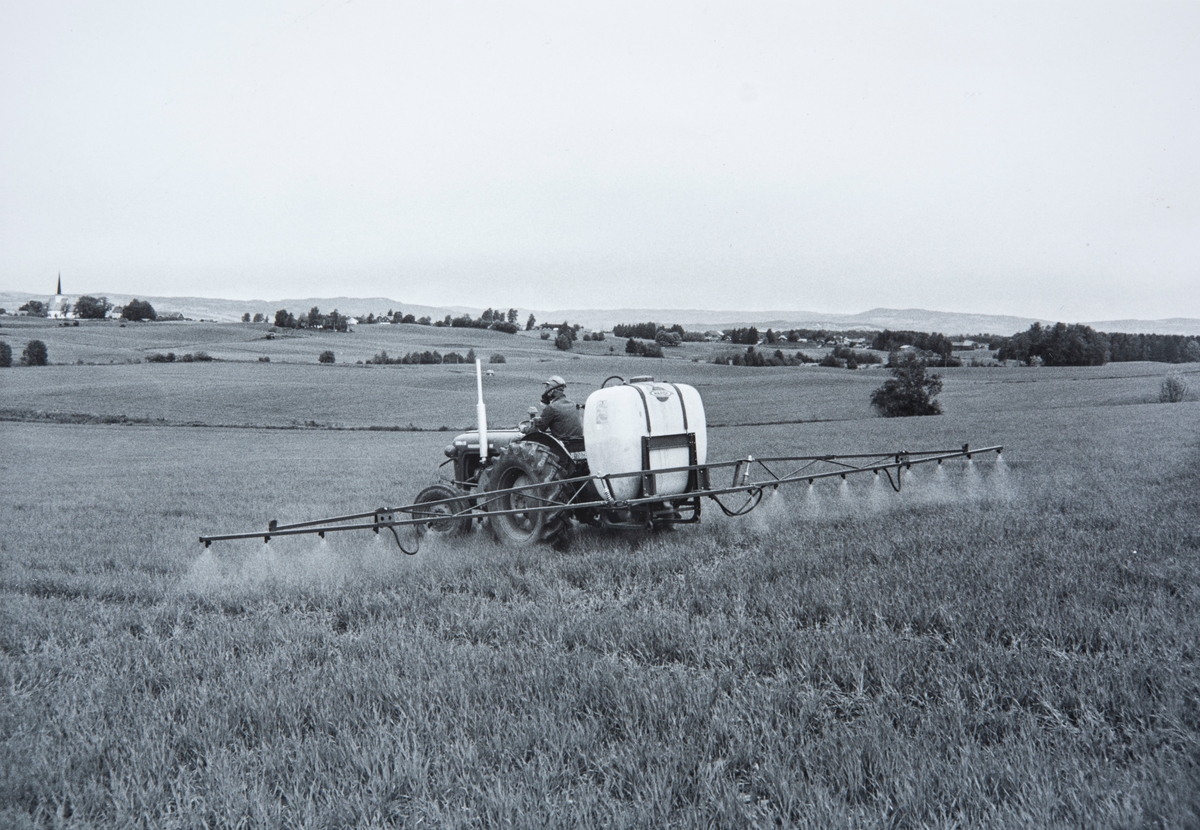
(544, 421)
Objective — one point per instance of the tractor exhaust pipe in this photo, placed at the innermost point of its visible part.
(481, 411)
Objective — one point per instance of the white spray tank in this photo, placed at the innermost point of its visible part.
(643, 425)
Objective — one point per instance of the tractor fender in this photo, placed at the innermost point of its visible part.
(572, 462)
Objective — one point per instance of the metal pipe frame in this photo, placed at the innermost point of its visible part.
(843, 465)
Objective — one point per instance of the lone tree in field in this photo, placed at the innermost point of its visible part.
(910, 392)
(5, 355)
(138, 310)
(1173, 389)
(326, 357)
(35, 354)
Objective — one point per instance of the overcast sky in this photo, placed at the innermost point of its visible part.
(1037, 159)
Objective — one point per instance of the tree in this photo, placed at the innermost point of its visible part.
(512, 316)
(136, 310)
(34, 308)
(92, 308)
(570, 331)
(563, 342)
(470, 358)
(246, 317)
(314, 317)
(258, 317)
(35, 354)
(5, 355)
(910, 392)
(530, 323)
(335, 321)
(1173, 389)
(326, 357)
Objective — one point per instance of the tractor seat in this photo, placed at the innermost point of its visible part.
(576, 449)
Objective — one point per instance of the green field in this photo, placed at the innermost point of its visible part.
(1010, 645)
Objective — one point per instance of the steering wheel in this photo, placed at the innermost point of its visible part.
(611, 377)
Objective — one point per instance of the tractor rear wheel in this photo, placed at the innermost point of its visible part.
(443, 518)
(515, 521)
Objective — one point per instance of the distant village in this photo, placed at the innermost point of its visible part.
(59, 307)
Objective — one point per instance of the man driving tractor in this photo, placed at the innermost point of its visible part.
(559, 417)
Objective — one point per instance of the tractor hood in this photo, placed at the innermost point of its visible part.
(498, 439)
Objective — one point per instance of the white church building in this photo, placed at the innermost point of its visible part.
(58, 307)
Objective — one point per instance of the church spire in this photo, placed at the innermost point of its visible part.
(58, 293)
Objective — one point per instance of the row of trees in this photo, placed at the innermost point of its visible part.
(890, 341)
(645, 331)
(333, 321)
(1161, 348)
(35, 354)
(746, 336)
(754, 357)
(664, 336)
(490, 319)
(1078, 345)
(422, 358)
(94, 308)
(1058, 345)
(751, 336)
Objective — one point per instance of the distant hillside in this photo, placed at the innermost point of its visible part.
(879, 318)
(1173, 325)
(914, 319)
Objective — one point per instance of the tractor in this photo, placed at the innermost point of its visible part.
(526, 469)
(643, 466)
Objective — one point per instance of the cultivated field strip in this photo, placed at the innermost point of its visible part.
(1015, 647)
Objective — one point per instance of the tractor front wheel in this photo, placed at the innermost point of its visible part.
(443, 517)
(519, 516)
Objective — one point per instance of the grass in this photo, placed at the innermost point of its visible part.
(990, 647)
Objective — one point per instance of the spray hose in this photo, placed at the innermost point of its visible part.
(754, 497)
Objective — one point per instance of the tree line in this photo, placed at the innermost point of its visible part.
(493, 319)
(1078, 345)
(890, 341)
(427, 357)
(333, 321)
